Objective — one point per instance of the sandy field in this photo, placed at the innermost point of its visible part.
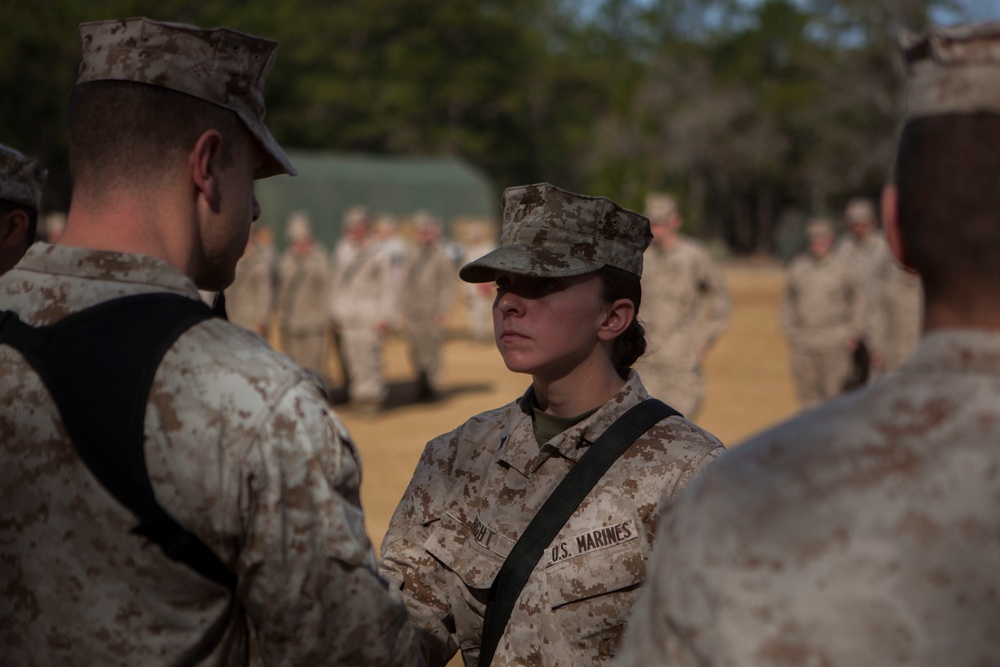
(748, 387)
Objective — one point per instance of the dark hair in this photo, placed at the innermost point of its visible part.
(631, 344)
(7, 206)
(120, 131)
(948, 175)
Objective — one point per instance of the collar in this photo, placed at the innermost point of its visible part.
(519, 450)
(965, 351)
(86, 264)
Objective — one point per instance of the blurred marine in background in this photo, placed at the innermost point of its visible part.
(686, 306)
(428, 291)
(822, 313)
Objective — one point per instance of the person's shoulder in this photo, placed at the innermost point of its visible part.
(234, 361)
(787, 466)
(676, 434)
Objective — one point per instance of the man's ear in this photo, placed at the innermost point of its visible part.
(204, 163)
(890, 223)
(618, 318)
(14, 229)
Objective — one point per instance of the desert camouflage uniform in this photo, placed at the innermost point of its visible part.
(428, 290)
(898, 313)
(474, 492)
(301, 308)
(821, 314)
(862, 533)
(241, 449)
(249, 298)
(361, 300)
(685, 307)
(865, 260)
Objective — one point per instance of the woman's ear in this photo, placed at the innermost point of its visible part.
(617, 318)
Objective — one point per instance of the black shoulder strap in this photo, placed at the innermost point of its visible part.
(98, 364)
(556, 511)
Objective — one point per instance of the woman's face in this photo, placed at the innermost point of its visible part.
(547, 327)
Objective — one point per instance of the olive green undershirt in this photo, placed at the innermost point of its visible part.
(547, 427)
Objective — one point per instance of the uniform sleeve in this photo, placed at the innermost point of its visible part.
(307, 572)
(421, 578)
(446, 282)
(716, 304)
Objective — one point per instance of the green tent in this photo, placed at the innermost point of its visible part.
(330, 183)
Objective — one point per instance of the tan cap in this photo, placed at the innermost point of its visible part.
(21, 178)
(551, 232)
(953, 70)
(299, 227)
(660, 206)
(424, 220)
(357, 217)
(860, 209)
(221, 66)
(819, 228)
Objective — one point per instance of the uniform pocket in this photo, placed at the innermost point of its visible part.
(591, 596)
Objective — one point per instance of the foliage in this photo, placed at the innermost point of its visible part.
(748, 110)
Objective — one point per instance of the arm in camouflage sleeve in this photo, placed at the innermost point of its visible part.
(420, 577)
(307, 572)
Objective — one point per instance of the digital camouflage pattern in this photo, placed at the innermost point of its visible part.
(821, 314)
(21, 178)
(685, 308)
(862, 533)
(548, 231)
(474, 492)
(242, 450)
(220, 65)
(952, 70)
(865, 259)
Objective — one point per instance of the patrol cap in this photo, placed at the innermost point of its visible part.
(21, 178)
(819, 228)
(357, 217)
(424, 221)
(299, 227)
(953, 70)
(859, 210)
(548, 231)
(221, 66)
(660, 206)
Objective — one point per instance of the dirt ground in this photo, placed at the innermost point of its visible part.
(748, 387)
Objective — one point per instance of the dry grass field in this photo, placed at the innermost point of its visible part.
(748, 387)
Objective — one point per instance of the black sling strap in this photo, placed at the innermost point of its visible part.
(558, 508)
(98, 365)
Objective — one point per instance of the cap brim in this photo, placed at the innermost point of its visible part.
(525, 260)
(275, 160)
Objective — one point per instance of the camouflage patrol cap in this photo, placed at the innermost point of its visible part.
(819, 228)
(221, 66)
(21, 178)
(548, 231)
(859, 209)
(357, 217)
(953, 70)
(660, 206)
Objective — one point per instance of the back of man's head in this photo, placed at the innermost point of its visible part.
(948, 163)
(147, 90)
